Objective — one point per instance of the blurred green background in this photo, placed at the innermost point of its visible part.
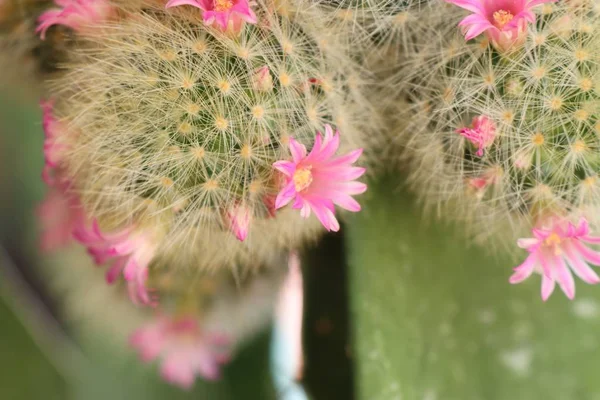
(44, 354)
(51, 354)
(432, 316)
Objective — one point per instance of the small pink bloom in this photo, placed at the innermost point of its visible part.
(481, 133)
(503, 21)
(76, 14)
(130, 252)
(554, 252)
(53, 148)
(318, 180)
(59, 214)
(262, 79)
(239, 217)
(222, 14)
(480, 183)
(185, 350)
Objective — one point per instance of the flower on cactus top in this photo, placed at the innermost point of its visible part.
(130, 252)
(239, 217)
(503, 21)
(481, 133)
(76, 14)
(185, 350)
(318, 180)
(222, 14)
(557, 250)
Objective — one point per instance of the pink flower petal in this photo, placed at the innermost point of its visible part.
(286, 195)
(318, 180)
(564, 277)
(524, 270)
(298, 150)
(580, 267)
(547, 287)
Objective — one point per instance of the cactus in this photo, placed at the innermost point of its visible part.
(174, 138)
(535, 155)
(173, 125)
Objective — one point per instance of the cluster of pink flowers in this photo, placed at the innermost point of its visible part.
(226, 15)
(319, 180)
(185, 350)
(556, 250)
(60, 213)
(129, 251)
(63, 219)
(76, 14)
(503, 21)
(482, 133)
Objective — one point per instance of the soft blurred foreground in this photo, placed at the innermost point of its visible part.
(57, 340)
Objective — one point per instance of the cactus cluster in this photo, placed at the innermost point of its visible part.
(189, 142)
(171, 122)
(175, 137)
(503, 138)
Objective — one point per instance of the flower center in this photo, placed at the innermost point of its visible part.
(302, 179)
(554, 240)
(502, 17)
(223, 5)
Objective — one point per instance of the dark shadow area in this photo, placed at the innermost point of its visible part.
(328, 366)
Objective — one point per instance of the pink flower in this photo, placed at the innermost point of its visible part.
(481, 133)
(262, 80)
(553, 250)
(481, 183)
(53, 148)
(59, 214)
(239, 217)
(503, 21)
(185, 350)
(76, 14)
(130, 252)
(223, 14)
(317, 181)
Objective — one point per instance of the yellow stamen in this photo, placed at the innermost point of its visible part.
(554, 241)
(223, 5)
(538, 139)
(502, 17)
(302, 179)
